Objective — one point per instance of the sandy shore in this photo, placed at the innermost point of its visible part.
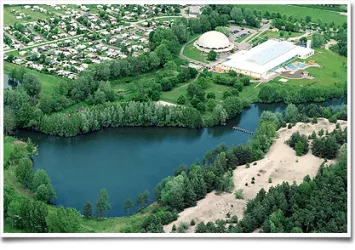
(165, 103)
(280, 164)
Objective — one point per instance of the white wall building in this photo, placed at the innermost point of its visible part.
(265, 58)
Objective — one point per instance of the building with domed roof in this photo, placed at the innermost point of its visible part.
(214, 40)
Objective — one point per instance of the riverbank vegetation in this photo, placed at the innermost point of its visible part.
(172, 194)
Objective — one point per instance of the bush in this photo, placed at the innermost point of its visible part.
(255, 163)
(252, 182)
(239, 195)
(333, 119)
(289, 126)
(192, 223)
(211, 95)
(314, 120)
(299, 143)
(181, 100)
(270, 180)
(182, 227)
(234, 219)
(247, 165)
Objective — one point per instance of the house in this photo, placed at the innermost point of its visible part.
(18, 61)
(22, 53)
(194, 11)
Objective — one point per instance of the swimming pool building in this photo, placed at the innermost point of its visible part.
(264, 59)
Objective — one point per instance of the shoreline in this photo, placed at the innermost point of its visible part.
(280, 163)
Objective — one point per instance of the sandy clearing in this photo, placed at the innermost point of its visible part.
(19, 142)
(330, 43)
(280, 163)
(165, 103)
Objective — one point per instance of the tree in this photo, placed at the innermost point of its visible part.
(24, 171)
(41, 177)
(232, 105)
(237, 15)
(211, 56)
(42, 193)
(87, 210)
(145, 197)
(102, 205)
(223, 30)
(128, 204)
(63, 220)
(292, 114)
(163, 53)
(181, 100)
(139, 201)
(32, 84)
(318, 40)
(173, 193)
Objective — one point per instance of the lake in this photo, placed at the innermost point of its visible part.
(127, 161)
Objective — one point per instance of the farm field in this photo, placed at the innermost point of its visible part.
(297, 11)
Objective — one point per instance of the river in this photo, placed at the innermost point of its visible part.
(126, 161)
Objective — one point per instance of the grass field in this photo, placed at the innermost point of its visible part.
(192, 52)
(297, 11)
(333, 70)
(10, 18)
(240, 39)
(271, 34)
(48, 81)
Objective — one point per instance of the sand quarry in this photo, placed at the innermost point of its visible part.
(280, 163)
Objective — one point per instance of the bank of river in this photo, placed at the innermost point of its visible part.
(126, 161)
(6, 81)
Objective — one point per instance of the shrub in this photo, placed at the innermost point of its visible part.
(246, 184)
(289, 126)
(239, 195)
(181, 100)
(255, 163)
(182, 227)
(270, 180)
(321, 132)
(192, 223)
(314, 120)
(252, 182)
(299, 143)
(234, 219)
(247, 165)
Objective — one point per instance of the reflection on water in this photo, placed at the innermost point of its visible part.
(126, 161)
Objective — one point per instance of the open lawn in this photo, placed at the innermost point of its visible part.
(297, 11)
(333, 70)
(271, 34)
(192, 52)
(10, 18)
(240, 39)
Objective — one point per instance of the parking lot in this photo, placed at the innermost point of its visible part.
(238, 32)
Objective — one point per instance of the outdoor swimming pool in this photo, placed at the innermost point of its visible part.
(291, 66)
(301, 65)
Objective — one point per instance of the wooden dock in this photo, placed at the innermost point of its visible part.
(243, 130)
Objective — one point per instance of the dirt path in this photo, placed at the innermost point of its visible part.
(330, 43)
(280, 164)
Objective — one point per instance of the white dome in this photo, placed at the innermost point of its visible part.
(213, 40)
